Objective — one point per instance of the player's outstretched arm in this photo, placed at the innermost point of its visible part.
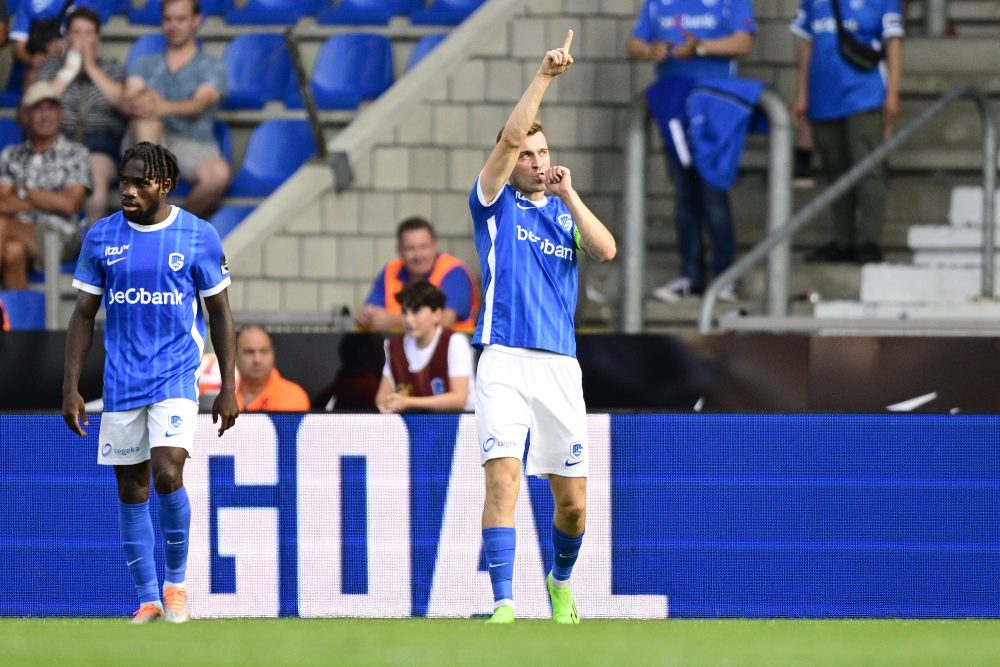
(225, 409)
(79, 336)
(501, 161)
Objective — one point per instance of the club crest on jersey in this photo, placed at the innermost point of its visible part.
(175, 421)
(437, 386)
(175, 261)
(566, 221)
(576, 449)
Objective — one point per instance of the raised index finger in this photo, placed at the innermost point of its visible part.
(569, 40)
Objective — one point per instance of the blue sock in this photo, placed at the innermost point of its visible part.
(499, 546)
(175, 523)
(565, 549)
(137, 541)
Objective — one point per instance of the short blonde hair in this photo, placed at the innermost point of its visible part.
(536, 127)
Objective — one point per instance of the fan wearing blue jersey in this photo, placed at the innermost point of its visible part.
(151, 264)
(528, 378)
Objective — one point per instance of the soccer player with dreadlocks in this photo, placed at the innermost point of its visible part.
(151, 264)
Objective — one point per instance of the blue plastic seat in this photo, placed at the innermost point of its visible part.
(422, 48)
(349, 68)
(222, 137)
(275, 150)
(25, 308)
(10, 132)
(273, 12)
(445, 12)
(358, 12)
(227, 218)
(149, 14)
(259, 70)
(10, 96)
(145, 45)
(104, 8)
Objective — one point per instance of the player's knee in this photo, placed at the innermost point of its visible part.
(167, 480)
(133, 490)
(572, 510)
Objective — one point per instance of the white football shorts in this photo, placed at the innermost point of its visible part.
(127, 437)
(520, 391)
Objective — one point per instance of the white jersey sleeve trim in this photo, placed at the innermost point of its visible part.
(88, 288)
(212, 291)
(386, 370)
(482, 198)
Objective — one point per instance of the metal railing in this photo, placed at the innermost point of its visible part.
(779, 206)
(779, 236)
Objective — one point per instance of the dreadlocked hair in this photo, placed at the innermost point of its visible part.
(160, 165)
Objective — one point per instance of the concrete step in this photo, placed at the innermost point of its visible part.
(965, 207)
(972, 310)
(918, 284)
(944, 237)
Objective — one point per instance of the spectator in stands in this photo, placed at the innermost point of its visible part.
(429, 368)
(689, 39)
(353, 389)
(91, 90)
(172, 97)
(43, 181)
(4, 319)
(419, 259)
(259, 387)
(852, 109)
(36, 33)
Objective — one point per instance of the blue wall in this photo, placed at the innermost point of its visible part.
(722, 515)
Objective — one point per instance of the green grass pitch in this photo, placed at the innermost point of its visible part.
(437, 643)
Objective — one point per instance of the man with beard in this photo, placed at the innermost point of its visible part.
(151, 264)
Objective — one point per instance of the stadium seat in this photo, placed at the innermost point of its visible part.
(357, 12)
(10, 132)
(259, 70)
(104, 8)
(273, 12)
(149, 14)
(445, 12)
(10, 96)
(422, 48)
(144, 46)
(225, 141)
(227, 218)
(275, 150)
(26, 309)
(349, 68)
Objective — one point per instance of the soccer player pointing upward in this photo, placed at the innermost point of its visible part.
(151, 264)
(528, 378)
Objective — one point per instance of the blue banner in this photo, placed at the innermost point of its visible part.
(378, 516)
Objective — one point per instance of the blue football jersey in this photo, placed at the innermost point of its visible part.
(838, 89)
(151, 279)
(528, 259)
(668, 20)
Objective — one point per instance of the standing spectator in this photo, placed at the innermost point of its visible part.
(851, 109)
(259, 386)
(429, 367)
(42, 180)
(91, 90)
(691, 39)
(35, 33)
(172, 97)
(419, 259)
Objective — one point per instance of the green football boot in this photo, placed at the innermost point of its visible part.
(502, 615)
(563, 607)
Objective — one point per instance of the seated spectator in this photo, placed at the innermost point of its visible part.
(429, 368)
(91, 90)
(259, 387)
(171, 98)
(43, 181)
(419, 259)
